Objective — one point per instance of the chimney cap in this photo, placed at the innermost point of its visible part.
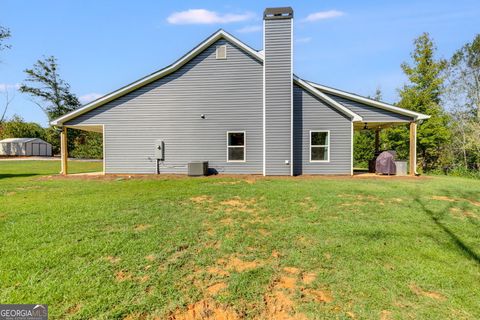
(278, 13)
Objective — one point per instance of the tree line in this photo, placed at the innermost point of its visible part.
(448, 90)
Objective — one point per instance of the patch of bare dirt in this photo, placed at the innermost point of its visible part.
(264, 232)
(113, 259)
(227, 182)
(205, 310)
(238, 265)
(121, 276)
(143, 279)
(142, 227)
(444, 198)
(275, 254)
(277, 306)
(136, 316)
(150, 257)
(216, 288)
(227, 221)
(287, 283)
(462, 213)
(74, 309)
(308, 277)
(201, 199)
(449, 199)
(430, 294)
(239, 204)
(385, 315)
(319, 295)
(218, 271)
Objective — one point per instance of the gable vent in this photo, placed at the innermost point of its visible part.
(221, 52)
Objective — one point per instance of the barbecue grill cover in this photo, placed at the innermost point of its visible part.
(385, 163)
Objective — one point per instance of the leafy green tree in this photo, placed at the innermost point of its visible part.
(463, 96)
(16, 127)
(48, 90)
(4, 34)
(52, 94)
(364, 142)
(423, 94)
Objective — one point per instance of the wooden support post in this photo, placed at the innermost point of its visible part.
(413, 148)
(64, 151)
(377, 140)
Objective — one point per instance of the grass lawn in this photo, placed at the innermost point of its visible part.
(255, 248)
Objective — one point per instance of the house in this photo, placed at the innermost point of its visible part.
(243, 110)
(25, 147)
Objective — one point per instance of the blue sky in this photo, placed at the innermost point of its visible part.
(102, 45)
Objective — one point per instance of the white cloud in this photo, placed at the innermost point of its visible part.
(203, 16)
(89, 97)
(249, 29)
(8, 86)
(323, 15)
(304, 40)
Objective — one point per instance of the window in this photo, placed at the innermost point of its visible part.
(221, 52)
(319, 146)
(236, 146)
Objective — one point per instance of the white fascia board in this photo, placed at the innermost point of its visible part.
(354, 117)
(415, 115)
(157, 75)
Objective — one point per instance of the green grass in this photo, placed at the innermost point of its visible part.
(145, 248)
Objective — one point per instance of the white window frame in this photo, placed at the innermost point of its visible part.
(217, 57)
(326, 145)
(244, 146)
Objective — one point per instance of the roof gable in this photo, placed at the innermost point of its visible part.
(220, 34)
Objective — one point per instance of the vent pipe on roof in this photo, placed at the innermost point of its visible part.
(278, 99)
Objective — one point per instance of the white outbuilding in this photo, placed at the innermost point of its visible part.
(25, 147)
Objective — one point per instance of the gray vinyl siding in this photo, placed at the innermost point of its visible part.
(278, 98)
(228, 92)
(369, 113)
(310, 113)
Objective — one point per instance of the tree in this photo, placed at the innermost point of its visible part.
(16, 127)
(422, 94)
(364, 141)
(4, 34)
(6, 104)
(48, 91)
(464, 77)
(52, 94)
(463, 96)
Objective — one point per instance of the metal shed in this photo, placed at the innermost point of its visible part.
(25, 147)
